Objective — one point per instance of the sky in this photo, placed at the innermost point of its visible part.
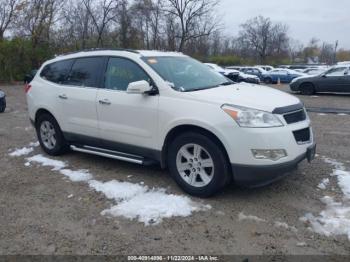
(327, 20)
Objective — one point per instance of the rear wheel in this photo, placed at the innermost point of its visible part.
(50, 135)
(307, 89)
(268, 80)
(198, 164)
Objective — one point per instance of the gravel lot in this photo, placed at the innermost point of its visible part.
(41, 212)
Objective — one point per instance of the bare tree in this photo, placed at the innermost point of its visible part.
(102, 14)
(295, 49)
(149, 19)
(8, 12)
(38, 18)
(76, 27)
(194, 17)
(264, 37)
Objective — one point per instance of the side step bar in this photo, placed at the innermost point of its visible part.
(110, 154)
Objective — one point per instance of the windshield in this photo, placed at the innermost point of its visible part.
(186, 74)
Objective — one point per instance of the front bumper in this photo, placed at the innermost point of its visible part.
(258, 176)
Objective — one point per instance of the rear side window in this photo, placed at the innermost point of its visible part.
(338, 71)
(57, 72)
(86, 72)
(121, 72)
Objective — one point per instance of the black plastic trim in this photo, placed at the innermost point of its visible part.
(81, 140)
(287, 109)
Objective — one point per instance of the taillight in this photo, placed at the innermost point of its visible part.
(27, 87)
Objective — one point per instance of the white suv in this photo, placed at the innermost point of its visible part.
(161, 107)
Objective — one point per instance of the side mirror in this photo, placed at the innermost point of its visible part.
(324, 75)
(346, 73)
(139, 87)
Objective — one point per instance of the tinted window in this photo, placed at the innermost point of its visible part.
(57, 72)
(339, 71)
(121, 72)
(86, 72)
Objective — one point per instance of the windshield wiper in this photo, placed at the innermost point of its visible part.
(226, 83)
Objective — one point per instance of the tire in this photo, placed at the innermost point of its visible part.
(268, 80)
(47, 127)
(3, 106)
(216, 177)
(307, 89)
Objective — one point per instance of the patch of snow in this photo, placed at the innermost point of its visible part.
(133, 201)
(321, 114)
(314, 96)
(220, 213)
(342, 175)
(323, 183)
(151, 207)
(285, 226)
(343, 181)
(34, 144)
(301, 244)
(242, 216)
(342, 114)
(145, 205)
(70, 196)
(44, 161)
(22, 151)
(77, 176)
(118, 190)
(334, 220)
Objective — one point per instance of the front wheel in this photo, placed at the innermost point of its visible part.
(198, 164)
(307, 89)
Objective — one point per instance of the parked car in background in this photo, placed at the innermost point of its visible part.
(150, 107)
(242, 77)
(281, 75)
(344, 63)
(29, 77)
(257, 71)
(314, 71)
(235, 75)
(234, 67)
(229, 73)
(2, 101)
(336, 79)
(265, 67)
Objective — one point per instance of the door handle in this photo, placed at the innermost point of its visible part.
(104, 102)
(63, 96)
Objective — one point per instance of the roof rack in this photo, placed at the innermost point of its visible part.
(100, 49)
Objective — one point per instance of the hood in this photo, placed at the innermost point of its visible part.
(246, 95)
(304, 77)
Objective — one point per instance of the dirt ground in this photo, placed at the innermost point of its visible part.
(38, 217)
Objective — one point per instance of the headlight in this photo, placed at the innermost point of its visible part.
(248, 117)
